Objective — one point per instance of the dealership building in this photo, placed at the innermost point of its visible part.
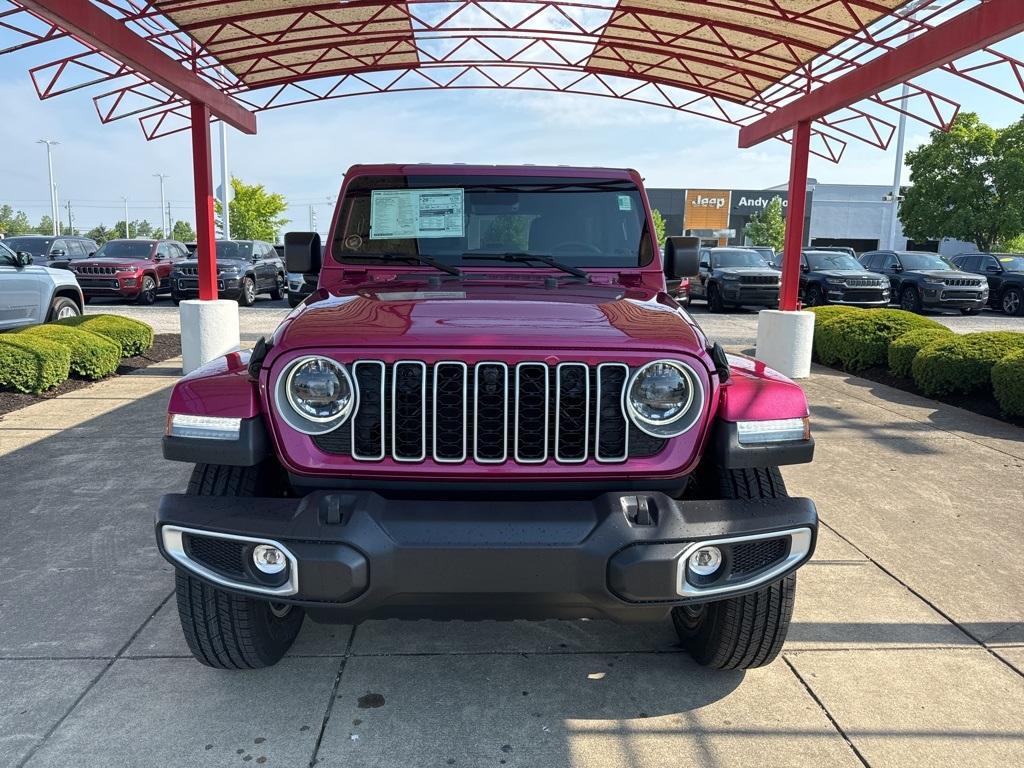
(854, 215)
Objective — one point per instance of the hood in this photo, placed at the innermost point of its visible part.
(220, 262)
(475, 313)
(110, 261)
(748, 271)
(842, 274)
(945, 274)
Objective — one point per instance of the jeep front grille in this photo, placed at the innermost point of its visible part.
(489, 413)
(89, 270)
(759, 279)
(188, 271)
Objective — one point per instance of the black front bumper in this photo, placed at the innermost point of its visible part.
(357, 555)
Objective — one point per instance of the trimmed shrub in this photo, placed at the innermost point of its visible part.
(903, 349)
(861, 340)
(132, 336)
(821, 316)
(963, 363)
(1008, 383)
(30, 364)
(92, 356)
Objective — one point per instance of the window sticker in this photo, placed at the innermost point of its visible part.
(398, 214)
(625, 203)
(1008, 259)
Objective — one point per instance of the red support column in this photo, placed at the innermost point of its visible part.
(801, 151)
(202, 170)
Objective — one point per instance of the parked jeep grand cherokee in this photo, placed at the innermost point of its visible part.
(489, 408)
(132, 269)
(829, 277)
(1005, 275)
(735, 277)
(245, 268)
(922, 280)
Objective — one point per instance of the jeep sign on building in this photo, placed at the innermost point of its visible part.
(718, 216)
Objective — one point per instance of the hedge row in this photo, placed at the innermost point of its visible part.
(41, 357)
(940, 361)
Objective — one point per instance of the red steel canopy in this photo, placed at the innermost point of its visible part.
(817, 73)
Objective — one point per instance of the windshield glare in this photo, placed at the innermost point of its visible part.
(234, 249)
(819, 260)
(125, 249)
(591, 223)
(34, 245)
(737, 258)
(1012, 263)
(925, 261)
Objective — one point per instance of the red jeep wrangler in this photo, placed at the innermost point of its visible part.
(489, 408)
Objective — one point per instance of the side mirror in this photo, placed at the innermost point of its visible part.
(897, 268)
(993, 268)
(705, 265)
(805, 267)
(24, 259)
(682, 257)
(91, 254)
(302, 252)
(60, 253)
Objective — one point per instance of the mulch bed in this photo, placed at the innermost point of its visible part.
(981, 403)
(165, 346)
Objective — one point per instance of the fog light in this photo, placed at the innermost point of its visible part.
(269, 559)
(705, 561)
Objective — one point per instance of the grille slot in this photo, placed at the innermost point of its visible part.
(756, 555)
(488, 414)
(189, 271)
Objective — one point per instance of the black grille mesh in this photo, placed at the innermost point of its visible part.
(221, 555)
(759, 280)
(532, 428)
(755, 555)
(449, 421)
(572, 412)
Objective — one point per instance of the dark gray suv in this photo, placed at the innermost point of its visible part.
(50, 251)
(922, 280)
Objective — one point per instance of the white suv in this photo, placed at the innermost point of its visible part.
(32, 294)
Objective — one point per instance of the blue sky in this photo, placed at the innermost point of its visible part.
(303, 151)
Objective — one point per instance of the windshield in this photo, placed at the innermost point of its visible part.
(820, 260)
(452, 219)
(234, 249)
(925, 261)
(125, 249)
(1011, 263)
(37, 246)
(737, 258)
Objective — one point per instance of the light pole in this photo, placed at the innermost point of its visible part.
(53, 188)
(163, 203)
(225, 182)
(126, 233)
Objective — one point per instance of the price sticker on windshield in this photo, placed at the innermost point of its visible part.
(398, 214)
(625, 203)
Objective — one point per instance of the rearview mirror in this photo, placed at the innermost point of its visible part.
(682, 257)
(302, 252)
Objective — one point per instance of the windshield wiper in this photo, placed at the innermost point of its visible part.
(426, 260)
(525, 257)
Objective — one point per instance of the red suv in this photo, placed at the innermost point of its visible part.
(139, 270)
(489, 408)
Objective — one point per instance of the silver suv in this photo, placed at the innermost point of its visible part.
(31, 294)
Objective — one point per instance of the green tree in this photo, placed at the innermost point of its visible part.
(255, 213)
(966, 184)
(45, 226)
(659, 225)
(183, 231)
(13, 222)
(769, 226)
(101, 234)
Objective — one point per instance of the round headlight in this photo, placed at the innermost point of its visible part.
(315, 394)
(665, 398)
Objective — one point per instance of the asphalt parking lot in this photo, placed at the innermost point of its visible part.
(907, 647)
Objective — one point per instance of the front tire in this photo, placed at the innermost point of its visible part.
(277, 292)
(1013, 301)
(815, 297)
(910, 300)
(225, 630)
(715, 303)
(247, 293)
(62, 308)
(747, 631)
(147, 294)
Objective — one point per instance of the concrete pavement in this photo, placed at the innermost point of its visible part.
(907, 647)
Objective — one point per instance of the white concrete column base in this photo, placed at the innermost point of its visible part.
(209, 329)
(784, 341)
